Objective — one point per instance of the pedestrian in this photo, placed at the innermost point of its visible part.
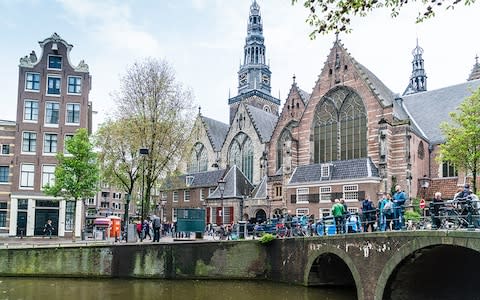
(156, 224)
(146, 229)
(48, 229)
(388, 212)
(368, 212)
(437, 206)
(382, 221)
(399, 199)
(338, 214)
(139, 230)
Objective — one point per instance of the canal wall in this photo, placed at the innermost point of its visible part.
(179, 260)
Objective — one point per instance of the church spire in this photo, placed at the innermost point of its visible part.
(475, 74)
(254, 73)
(418, 79)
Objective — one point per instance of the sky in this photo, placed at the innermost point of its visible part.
(203, 41)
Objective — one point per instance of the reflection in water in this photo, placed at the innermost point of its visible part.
(122, 289)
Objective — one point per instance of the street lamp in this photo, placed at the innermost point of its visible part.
(269, 208)
(221, 187)
(143, 153)
(125, 221)
(425, 183)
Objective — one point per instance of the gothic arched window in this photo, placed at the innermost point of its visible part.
(241, 154)
(339, 127)
(421, 151)
(198, 159)
(285, 136)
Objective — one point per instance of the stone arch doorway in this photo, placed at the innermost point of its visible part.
(435, 272)
(260, 216)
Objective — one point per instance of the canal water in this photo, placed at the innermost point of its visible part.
(120, 289)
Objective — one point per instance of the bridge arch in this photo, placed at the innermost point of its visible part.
(334, 257)
(434, 255)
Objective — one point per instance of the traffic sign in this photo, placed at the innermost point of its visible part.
(422, 203)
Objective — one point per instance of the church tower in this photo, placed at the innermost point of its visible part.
(254, 76)
(418, 79)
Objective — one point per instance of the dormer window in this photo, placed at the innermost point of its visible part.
(325, 170)
(54, 62)
(189, 180)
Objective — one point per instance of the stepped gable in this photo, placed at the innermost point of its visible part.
(437, 105)
(216, 131)
(264, 122)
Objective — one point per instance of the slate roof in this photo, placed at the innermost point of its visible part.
(264, 122)
(304, 95)
(236, 185)
(216, 131)
(260, 191)
(341, 169)
(428, 109)
(201, 179)
(7, 123)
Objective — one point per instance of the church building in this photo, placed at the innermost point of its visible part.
(351, 138)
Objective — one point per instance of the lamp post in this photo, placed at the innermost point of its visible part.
(125, 221)
(162, 213)
(425, 183)
(143, 153)
(269, 208)
(221, 187)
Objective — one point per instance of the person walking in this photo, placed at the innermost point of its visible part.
(437, 206)
(382, 220)
(146, 229)
(48, 229)
(368, 212)
(399, 199)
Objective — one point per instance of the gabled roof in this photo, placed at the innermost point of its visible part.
(303, 95)
(216, 131)
(360, 168)
(264, 122)
(260, 191)
(236, 185)
(429, 109)
(201, 179)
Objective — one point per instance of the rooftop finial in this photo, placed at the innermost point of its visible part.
(294, 77)
(199, 110)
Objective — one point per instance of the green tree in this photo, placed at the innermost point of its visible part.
(462, 146)
(334, 16)
(160, 116)
(77, 173)
(119, 157)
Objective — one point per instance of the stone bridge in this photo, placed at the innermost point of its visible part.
(393, 265)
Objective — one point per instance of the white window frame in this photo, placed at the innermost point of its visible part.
(73, 105)
(202, 196)
(68, 85)
(189, 180)
(48, 177)
(350, 192)
(25, 110)
(39, 82)
(27, 176)
(36, 144)
(174, 214)
(51, 146)
(8, 175)
(325, 212)
(211, 190)
(175, 196)
(325, 170)
(65, 138)
(302, 211)
(353, 210)
(324, 190)
(9, 149)
(59, 90)
(46, 114)
(186, 195)
(302, 192)
(48, 62)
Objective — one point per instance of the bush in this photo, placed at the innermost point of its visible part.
(267, 238)
(412, 215)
